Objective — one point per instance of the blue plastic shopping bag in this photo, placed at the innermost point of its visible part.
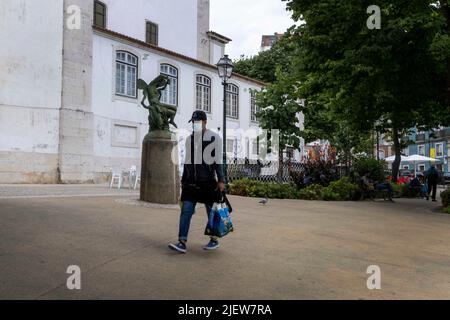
(219, 222)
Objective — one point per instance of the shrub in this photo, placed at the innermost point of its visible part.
(396, 188)
(400, 190)
(312, 192)
(252, 188)
(297, 178)
(330, 195)
(375, 167)
(320, 169)
(447, 210)
(240, 187)
(341, 190)
(445, 197)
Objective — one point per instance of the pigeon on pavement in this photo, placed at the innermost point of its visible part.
(264, 201)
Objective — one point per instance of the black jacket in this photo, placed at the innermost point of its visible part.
(202, 169)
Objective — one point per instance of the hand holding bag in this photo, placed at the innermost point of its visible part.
(219, 222)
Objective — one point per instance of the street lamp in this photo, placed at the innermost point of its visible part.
(225, 67)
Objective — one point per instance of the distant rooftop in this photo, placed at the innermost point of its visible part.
(269, 40)
(218, 37)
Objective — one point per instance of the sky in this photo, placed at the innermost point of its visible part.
(245, 21)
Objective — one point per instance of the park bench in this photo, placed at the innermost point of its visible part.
(372, 194)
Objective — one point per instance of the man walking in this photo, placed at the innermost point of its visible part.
(432, 177)
(202, 180)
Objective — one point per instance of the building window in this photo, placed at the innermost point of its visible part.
(203, 93)
(439, 149)
(99, 14)
(254, 109)
(255, 146)
(421, 167)
(230, 146)
(126, 74)
(406, 152)
(151, 34)
(421, 150)
(232, 103)
(170, 94)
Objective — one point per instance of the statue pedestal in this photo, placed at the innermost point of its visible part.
(160, 181)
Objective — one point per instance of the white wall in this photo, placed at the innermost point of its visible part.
(217, 52)
(30, 53)
(177, 21)
(109, 108)
(30, 87)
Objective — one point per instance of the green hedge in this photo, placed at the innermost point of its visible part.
(252, 188)
(400, 190)
(445, 197)
(312, 192)
(339, 190)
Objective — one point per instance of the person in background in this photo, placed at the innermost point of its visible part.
(432, 176)
(367, 186)
(386, 185)
(414, 187)
(307, 180)
(367, 183)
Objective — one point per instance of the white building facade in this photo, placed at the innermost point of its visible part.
(69, 107)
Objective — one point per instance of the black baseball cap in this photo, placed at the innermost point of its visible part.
(198, 115)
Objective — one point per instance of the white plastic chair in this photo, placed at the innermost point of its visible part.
(136, 180)
(116, 174)
(134, 177)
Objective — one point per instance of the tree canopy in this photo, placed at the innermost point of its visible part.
(355, 79)
(390, 78)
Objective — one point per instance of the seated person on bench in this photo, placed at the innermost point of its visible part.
(414, 187)
(385, 186)
(367, 185)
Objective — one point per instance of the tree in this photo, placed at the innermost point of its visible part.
(263, 66)
(278, 111)
(358, 77)
(280, 105)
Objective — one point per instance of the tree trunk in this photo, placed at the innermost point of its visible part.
(398, 155)
(371, 152)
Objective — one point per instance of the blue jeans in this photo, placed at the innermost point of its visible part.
(385, 186)
(187, 210)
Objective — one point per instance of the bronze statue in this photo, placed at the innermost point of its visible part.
(160, 114)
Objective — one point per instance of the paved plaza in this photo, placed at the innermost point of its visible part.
(288, 249)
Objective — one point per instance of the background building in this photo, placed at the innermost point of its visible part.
(69, 106)
(433, 144)
(267, 41)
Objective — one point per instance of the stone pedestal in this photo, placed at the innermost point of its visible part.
(160, 181)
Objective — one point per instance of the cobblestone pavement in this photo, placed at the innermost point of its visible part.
(8, 191)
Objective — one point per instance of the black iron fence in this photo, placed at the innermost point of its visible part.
(268, 171)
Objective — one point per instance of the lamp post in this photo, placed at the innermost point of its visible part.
(377, 133)
(225, 68)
